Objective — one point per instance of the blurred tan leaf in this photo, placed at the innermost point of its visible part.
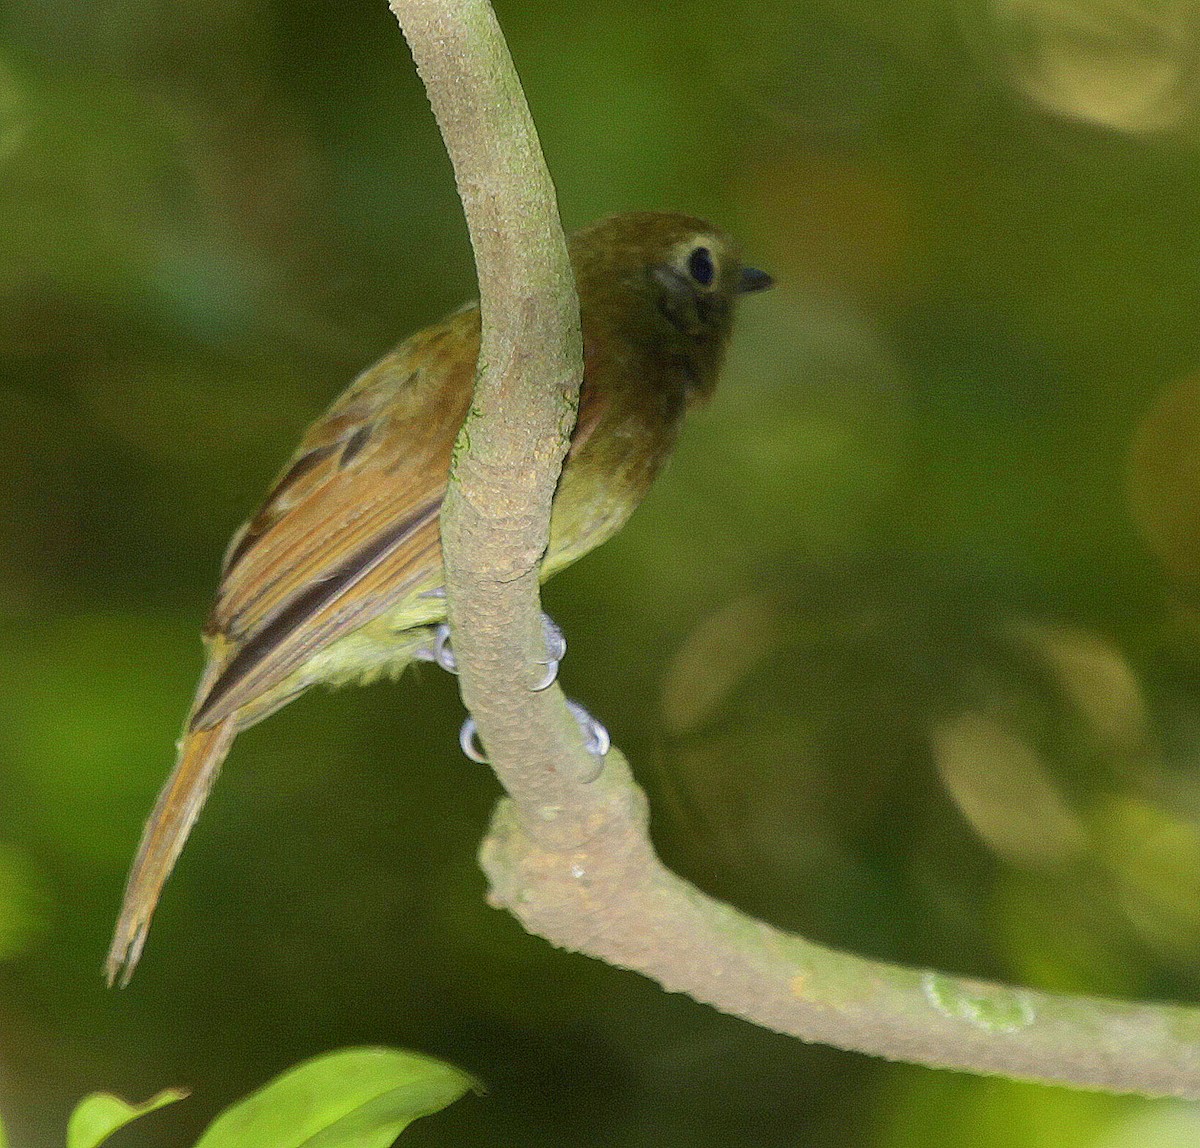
(1097, 678)
(1127, 65)
(716, 656)
(1003, 789)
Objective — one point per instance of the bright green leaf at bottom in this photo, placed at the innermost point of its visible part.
(354, 1098)
(98, 1116)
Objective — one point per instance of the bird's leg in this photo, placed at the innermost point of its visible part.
(595, 739)
(441, 652)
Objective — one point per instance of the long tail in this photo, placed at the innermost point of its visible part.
(201, 753)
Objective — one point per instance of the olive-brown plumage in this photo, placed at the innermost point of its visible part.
(336, 578)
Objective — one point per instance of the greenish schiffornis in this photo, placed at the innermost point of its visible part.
(336, 578)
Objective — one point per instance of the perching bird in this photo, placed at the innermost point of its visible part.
(338, 577)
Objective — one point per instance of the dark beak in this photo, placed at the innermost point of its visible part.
(752, 279)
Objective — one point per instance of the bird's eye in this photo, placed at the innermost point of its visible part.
(700, 266)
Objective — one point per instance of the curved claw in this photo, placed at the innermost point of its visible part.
(556, 640)
(443, 652)
(468, 740)
(556, 648)
(547, 679)
(595, 737)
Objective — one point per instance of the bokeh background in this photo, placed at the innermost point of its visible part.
(904, 645)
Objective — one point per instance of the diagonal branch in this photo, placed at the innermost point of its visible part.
(572, 859)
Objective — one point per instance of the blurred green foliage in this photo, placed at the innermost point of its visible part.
(98, 1116)
(904, 645)
(353, 1098)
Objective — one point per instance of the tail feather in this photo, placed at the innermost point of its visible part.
(201, 753)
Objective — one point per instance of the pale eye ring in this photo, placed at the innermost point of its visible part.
(700, 266)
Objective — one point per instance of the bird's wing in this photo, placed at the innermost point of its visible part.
(350, 526)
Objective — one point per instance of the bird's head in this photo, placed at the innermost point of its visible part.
(661, 289)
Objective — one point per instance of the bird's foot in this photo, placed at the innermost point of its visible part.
(441, 652)
(596, 739)
(556, 650)
(468, 741)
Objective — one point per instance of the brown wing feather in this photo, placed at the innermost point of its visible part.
(350, 524)
(368, 583)
(200, 755)
(349, 528)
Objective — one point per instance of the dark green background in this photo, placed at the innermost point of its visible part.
(903, 645)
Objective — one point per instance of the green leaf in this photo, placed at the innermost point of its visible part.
(353, 1098)
(3, 1136)
(98, 1116)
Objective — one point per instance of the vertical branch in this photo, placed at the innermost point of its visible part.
(496, 517)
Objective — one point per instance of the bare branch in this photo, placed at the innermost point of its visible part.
(614, 900)
(496, 517)
(573, 860)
